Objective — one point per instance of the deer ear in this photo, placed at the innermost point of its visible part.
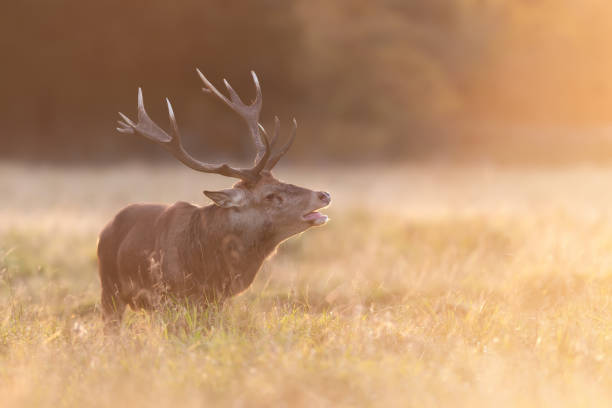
(229, 198)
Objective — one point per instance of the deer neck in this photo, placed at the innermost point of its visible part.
(247, 230)
(233, 244)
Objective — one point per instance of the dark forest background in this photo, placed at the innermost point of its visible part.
(391, 79)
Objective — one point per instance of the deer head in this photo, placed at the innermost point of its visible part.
(258, 198)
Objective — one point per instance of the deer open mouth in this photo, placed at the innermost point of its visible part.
(315, 218)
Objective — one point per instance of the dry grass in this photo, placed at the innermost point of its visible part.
(432, 286)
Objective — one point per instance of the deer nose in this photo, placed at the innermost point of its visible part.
(324, 196)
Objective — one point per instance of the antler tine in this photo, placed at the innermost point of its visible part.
(172, 143)
(277, 156)
(276, 130)
(258, 97)
(250, 113)
(175, 129)
(210, 88)
(233, 95)
(262, 162)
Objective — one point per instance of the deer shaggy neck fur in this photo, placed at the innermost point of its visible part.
(218, 262)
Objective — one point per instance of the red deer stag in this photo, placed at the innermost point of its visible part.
(150, 251)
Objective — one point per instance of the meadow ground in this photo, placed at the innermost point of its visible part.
(432, 285)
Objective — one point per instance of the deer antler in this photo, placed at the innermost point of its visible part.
(150, 130)
(250, 113)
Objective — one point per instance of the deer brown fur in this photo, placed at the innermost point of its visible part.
(151, 251)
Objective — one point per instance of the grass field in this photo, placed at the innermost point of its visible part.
(433, 285)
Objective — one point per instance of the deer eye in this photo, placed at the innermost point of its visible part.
(274, 198)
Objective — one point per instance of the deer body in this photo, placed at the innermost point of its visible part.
(150, 251)
(187, 251)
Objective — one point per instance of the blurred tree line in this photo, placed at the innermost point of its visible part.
(366, 80)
